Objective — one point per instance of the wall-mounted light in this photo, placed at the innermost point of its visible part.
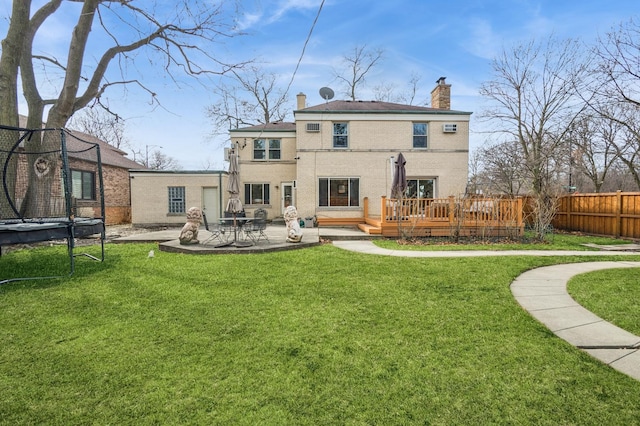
(296, 158)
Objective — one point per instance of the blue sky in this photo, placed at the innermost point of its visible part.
(456, 39)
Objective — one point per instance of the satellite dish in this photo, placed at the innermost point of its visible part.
(326, 93)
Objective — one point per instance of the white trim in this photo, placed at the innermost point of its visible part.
(262, 135)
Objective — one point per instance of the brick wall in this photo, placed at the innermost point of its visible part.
(118, 215)
(117, 191)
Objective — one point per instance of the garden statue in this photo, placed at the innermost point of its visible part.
(189, 233)
(294, 233)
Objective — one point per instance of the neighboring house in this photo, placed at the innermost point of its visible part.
(338, 153)
(115, 173)
(163, 197)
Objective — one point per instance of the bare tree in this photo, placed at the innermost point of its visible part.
(389, 92)
(160, 161)
(9, 71)
(178, 34)
(503, 167)
(592, 149)
(534, 101)
(619, 179)
(628, 149)
(356, 65)
(246, 98)
(616, 89)
(103, 125)
(385, 92)
(10, 62)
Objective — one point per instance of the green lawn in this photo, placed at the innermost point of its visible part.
(612, 294)
(318, 336)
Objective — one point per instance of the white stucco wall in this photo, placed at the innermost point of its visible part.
(150, 194)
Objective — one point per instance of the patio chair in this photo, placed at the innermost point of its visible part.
(217, 231)
(255, 228)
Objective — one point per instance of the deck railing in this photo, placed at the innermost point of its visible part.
(470, 216)
(451, 209)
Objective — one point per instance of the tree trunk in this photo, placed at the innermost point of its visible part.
(9, 68)
(43, 169)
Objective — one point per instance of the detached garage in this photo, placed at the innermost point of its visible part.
(162, 198)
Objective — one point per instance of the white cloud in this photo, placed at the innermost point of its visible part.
(249, 20)
(482, 41)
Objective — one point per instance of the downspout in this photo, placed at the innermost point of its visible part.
(220, 193)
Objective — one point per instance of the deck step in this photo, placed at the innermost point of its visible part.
(339, 221)
(369, 229)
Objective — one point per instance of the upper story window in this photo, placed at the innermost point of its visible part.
(341, 135)
(177, 199)
(83, 185)
(420, 135)
(264, 149)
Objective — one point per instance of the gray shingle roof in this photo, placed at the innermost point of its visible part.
(277, 126)
(349, 107)
(109, 154)
(374, 106)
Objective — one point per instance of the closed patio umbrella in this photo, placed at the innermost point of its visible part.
(234, 205)
(399, 184)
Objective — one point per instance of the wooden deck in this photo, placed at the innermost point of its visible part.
(444, 217)
(449, 217)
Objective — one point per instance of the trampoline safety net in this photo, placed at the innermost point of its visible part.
(51, 188)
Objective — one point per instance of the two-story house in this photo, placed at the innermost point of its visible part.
(338, 153)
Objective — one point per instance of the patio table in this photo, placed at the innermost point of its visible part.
(236, 223)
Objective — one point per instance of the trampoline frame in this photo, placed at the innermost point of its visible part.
(18, 229)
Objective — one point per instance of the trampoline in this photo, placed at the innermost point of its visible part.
(52, 189)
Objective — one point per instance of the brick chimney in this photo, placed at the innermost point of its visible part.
(441, 95)
(302, 100)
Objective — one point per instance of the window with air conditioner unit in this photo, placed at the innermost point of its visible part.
(313, 127)
(449, 128)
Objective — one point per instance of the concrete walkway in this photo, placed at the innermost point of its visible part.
(370, 248)
(543, 293)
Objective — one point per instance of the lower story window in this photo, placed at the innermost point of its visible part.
(420, 188)
(256, 193)
(83, 185)
(339, 192)
(177, 199)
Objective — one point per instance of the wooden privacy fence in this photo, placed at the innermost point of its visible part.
(616, 214)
